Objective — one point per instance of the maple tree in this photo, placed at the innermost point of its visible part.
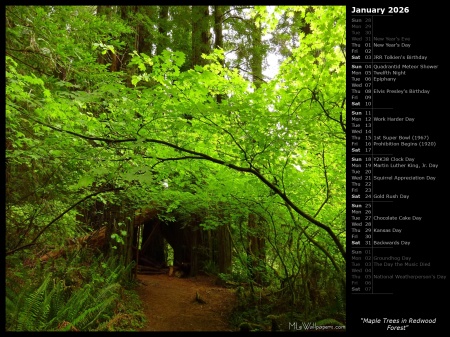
(183, 126)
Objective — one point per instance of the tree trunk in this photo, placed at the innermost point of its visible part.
(224, 254)
(218, 42)
(103, 10)
(162, 29)
(218, 17)
(256, 252)
(194, 252)
(257, 55)
(200, 34)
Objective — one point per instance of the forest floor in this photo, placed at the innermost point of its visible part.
(170, 303)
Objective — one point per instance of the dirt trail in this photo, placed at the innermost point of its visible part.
(170, 303)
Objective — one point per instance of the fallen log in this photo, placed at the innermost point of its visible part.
(96, 239)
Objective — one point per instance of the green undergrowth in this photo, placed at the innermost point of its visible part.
(81, 292)
(266, 309)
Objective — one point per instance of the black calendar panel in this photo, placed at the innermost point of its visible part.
(397, 168)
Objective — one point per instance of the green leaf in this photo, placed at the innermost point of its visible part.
(85, 181)
(135, 79)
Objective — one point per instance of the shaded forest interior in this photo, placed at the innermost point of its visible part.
(190, 141)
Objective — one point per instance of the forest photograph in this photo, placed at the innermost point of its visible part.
(175, 168)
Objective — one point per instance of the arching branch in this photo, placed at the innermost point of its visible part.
(251, 169)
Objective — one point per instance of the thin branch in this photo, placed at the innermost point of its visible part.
(282, 173)
(326, 181)
(37, 69)
(251, 73)
(293, 100)
(106, 140)
(162, 160)
(234, 17)
(29, 51)
(341, 123)
(317, 244)
(33, 242)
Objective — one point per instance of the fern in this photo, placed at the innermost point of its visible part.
(45, 307)
(37, 311)
(51, 305)
(105, 298)
(31, 318)
(115, 271)
(13, 303)
(87, 304)
(80, 299)
(57, 302)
